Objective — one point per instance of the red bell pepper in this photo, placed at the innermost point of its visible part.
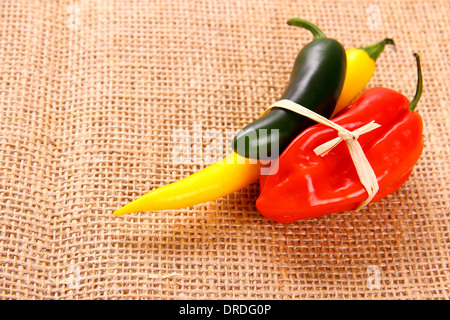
(307, 185)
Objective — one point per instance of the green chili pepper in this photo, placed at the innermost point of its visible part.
(316, 82)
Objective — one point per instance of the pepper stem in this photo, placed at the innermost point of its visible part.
(374, 50)
(316, 32)
(419, 88)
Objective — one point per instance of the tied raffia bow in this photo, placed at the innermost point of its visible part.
(363, 168)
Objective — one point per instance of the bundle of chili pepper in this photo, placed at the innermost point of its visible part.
(324, 77)
(307, 185)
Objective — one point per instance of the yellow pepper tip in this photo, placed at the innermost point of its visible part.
(123, 211)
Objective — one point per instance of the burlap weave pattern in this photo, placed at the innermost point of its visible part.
(90, 95)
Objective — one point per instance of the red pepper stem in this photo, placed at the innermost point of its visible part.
(419, 88)
(374, 50)
(316, 32)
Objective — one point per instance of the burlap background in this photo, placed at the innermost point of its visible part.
(90, 95)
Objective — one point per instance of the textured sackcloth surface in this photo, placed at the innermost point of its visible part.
(91, 93)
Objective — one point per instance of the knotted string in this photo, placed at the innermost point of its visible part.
(363, 168)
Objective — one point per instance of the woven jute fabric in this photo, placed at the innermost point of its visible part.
(91, 93)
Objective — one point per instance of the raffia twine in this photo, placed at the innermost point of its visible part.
(363, 168)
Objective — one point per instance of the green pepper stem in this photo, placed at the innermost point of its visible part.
(374, 50)
(316, 32)
(419, 88)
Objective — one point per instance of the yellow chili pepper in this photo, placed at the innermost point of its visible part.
(235, 172)
(360, 69)
(213, 182)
